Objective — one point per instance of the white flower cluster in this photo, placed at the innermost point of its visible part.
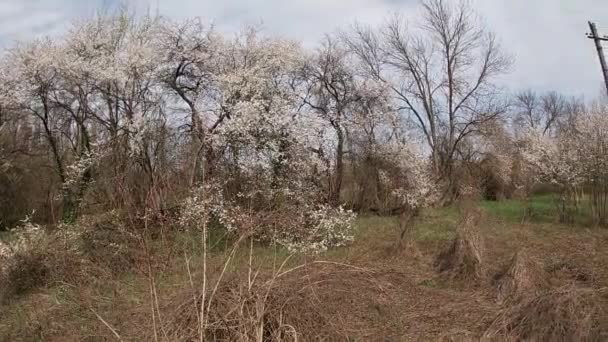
(553, 160)
(75, 171)
(574, 157)
(503, 163)
(592, 145)
(204, 202)
(317, 230)
(413, 184)
(295, 224)
(496, 145)
(6, 252)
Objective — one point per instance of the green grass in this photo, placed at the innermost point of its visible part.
(432, 283)
(434, 224)
(437, 224)
(541, 209)
(370, 226)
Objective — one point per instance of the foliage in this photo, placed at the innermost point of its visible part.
(410, 175)
(573, 161)
(317, 230)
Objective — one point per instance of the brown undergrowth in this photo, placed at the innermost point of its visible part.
(515, 282)
(315, 301)
(563, 314)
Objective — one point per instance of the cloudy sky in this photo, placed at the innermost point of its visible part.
(547, 37)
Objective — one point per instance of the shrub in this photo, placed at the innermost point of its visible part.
(573, 161)
(297, 223)
(408, 174)
(317, 230)
(34, 258)
(107, 244)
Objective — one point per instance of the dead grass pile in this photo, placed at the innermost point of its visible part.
(524, 275)
(317, 301)
(568, 271)
(463, 260)
(564, 314)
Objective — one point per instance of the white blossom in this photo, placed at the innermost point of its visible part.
(412, 182)
(24, 239)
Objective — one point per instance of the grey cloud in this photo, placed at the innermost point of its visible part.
(549, 43)
(27, 19)
(546, 36)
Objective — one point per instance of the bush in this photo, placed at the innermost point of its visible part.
(34, 258)
(107, 244)
(298, 224)
(317, 230)
(26, 272)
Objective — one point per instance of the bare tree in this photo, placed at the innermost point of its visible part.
(442, 74)
(32, 79)
(331, 93)
(526, 104)
(554, 109)
(547, 113)
(190, 57)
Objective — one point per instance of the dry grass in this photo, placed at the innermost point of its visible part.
(359, 293)
(563, 314)
(316, 301)
(464, 259)
(570, 271)
(524, 275)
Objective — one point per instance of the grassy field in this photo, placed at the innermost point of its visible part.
(378, 288)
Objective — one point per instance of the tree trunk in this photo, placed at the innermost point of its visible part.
(336, 189)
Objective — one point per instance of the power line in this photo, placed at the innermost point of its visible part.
(600, 51)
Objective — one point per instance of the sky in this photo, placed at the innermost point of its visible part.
(546, 37)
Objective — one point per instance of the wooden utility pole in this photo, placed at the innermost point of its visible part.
(600, 51)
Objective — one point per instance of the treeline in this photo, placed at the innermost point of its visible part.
(134, 113)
